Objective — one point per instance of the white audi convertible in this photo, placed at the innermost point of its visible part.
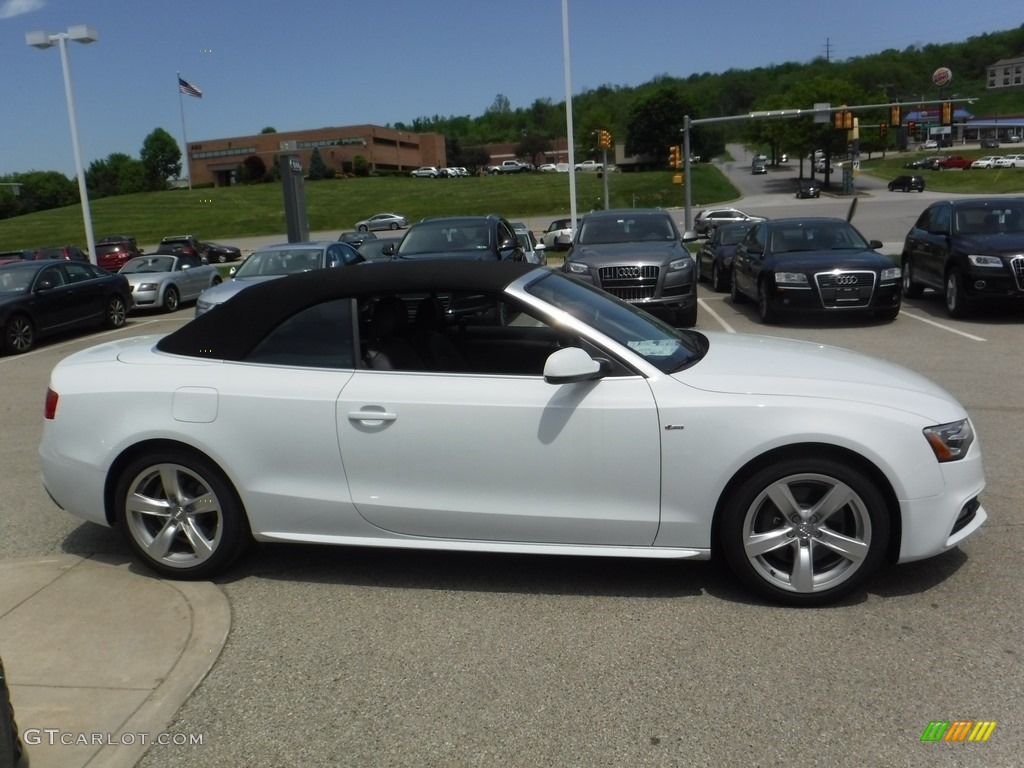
(506, 408)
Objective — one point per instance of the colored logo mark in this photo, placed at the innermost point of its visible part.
(958, 730)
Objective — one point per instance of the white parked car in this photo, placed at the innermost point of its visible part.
(988, 161)
(382, 221)
(427, 171)
(1010, 161)
(506, 408)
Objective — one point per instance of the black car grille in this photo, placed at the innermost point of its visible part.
(845, 290)
(630, 282)
(1017, 265)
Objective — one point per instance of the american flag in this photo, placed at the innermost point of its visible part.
(184, 86)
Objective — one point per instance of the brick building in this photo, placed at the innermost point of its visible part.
(213, 161)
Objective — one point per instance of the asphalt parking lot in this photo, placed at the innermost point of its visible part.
(359, 657)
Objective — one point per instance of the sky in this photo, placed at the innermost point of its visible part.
(319, 63)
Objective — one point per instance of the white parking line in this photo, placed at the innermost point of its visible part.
(69, 342)
(971, 336)
(707, 308)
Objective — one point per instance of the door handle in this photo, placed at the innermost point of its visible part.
(372, 416)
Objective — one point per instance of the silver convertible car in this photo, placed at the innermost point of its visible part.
(164, 281)
(506, 408)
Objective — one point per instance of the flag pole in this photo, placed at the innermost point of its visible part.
(184, 133)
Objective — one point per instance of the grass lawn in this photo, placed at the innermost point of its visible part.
(225, 212)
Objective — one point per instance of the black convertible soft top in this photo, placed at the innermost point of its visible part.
(230, 330)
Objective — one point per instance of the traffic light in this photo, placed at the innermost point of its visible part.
(604, 139)
(947, 113)
(911, 128)
(894, 116)
(883, 130)
(843, 119)
(675, 159)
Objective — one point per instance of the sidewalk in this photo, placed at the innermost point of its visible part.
(99, 657)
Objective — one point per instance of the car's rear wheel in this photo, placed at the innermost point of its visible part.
(180, 515)
(805, 530)
(393, 225)
(956, 298)
(222, 258)
(116, 312)
(172, 299)
(911, 289)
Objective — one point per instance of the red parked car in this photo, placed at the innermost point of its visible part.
(114, 254)
(954, 161)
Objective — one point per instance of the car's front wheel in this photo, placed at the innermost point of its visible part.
(363, 228)
(719, 279)
(116, 312)
(765, 310)
(180, 515)
(19, 334)
(172, 299)
(393, 225)
(956, 297)
(699, 262)
(805, 530)
(734, 291)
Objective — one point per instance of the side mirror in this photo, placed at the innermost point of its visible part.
(44, 285)
(231, 272)
(875, 244)
(690, 236)
(389, 249)
(540, 247)
(571, 365)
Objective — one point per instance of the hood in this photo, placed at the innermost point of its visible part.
(998, 244)
(760, 365)
(221, 293)
(448, 256)
(817, 261)
(617, 253)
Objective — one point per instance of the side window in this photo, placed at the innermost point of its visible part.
(187, 261)
(317, 337)
(51, 277)
(940, 219)
(78, 272)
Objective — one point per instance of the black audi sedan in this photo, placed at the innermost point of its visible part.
(971, 250)
(714, 259)
(42, 297)
(821, 265)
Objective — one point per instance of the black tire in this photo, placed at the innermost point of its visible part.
(719, 281)
(172, 299)
(11, 749)
(393, 225)
(204, 527)
(887, 315)
(734, 291)
(955, 296)
(763, 542)
(911, 289)
(115, 315)
(685, 318)
(216, 281)
(700, 269)
(363, 228)
(19, 335)
(765, 310)
(222, 258)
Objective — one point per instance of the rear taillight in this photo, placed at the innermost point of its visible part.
(51, 404)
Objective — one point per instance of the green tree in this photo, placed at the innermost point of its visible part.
(533, 145)
(269, 129)
(161, 158)
(252, 170)
(360, 165)
(117, 174)
(317, 167)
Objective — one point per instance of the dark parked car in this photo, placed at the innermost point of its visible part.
(114, 254)
(638, 255)
(970, 249)
(907, 184)
(924, 162)
(356, 238)
(461, 237)
(808, 188)
(819, 265)
(12, 752)
(187, 245)
(989, 143)
(43, 297)
(378, 248)
(216, 252)
(69, 252)
(714, 259)
(25, 254)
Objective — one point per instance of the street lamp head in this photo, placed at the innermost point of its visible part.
(83, 33)
(39, 39)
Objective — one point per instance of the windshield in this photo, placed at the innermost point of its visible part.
(788, 237)
(446, 237)
(732, 234)
(658, 343)
(992, 219)
(148, 264)
(629, 228)
(15, 280)
(280, 261)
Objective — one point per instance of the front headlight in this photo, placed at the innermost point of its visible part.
(984, 261)
(950, 442)
(577, 267)
(147, 287)
(797, 278)
(893, 273)
(677, 264)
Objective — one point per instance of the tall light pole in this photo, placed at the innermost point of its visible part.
(82, 34)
